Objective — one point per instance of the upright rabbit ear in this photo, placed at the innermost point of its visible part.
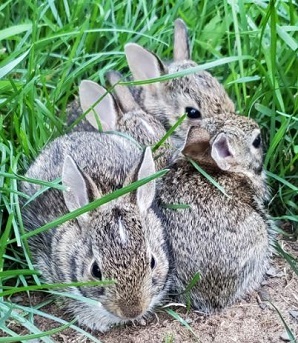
(89, 93)
(197, 144)
(76, 195)
(125, 99)
(181, 42)
(146, 193)
(143, 64)
(222, 152)
(78, 186)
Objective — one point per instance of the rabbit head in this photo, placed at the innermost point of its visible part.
(120, 241)
(199, 95)
(116, 243)
(231, 143)
(122, 113)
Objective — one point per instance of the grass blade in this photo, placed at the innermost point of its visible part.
(168, 133)
(11, 65)
(94, 204)
(181, 321)
(209, 178)
(290, 334)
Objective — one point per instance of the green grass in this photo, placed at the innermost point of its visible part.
(46, 49)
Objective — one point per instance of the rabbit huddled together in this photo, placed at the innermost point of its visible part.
(122, 240)
(224, 235)
(142, 241)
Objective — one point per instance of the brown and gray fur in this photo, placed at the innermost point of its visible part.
(74, 112)
(227, 239)
(168, 100)
(121, 113)
(121, 237)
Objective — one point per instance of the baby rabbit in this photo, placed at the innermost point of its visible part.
(225, 238)
(122, 240)
(122, 114)
(199, 95)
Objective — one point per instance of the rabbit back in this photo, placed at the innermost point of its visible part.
(225, 234)
(225, 240)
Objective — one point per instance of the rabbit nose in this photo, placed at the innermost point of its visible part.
(131, 311)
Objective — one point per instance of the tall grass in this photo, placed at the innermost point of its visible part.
(47, 47)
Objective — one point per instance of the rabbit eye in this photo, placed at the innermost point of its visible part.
(152, 263)
(193, 113)
(257, 142)
(95, 271)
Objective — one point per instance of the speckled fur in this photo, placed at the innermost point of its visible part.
(200, 90)
(131, 120)
(142, 126)
(226, 239)
(167, 100)
(65, 254)
(73, 112)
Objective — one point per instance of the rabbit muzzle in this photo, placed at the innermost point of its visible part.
(128, 310)
(131, 311)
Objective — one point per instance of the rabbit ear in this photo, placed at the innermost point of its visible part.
(146, 193)
(90, 92)
(181, 43)
(142, 63)
(76, 195)
(197, 143)
(222, 152)
(122, 93)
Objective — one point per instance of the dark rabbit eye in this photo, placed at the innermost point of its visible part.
(95, 271)
(257, 142)
(193, 113)
(152, 263)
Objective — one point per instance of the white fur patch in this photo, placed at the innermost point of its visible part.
(97, 318)
(148, 127)
(122, 231)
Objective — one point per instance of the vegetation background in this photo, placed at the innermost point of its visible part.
(47, 47)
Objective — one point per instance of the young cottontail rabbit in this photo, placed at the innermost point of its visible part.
(121, 240)
(122, 114)
(225, 238)
(199, 95)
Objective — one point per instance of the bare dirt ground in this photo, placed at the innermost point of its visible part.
(252, 320)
